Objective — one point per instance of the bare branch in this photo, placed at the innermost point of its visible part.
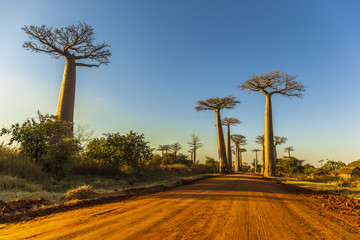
(73, 41)
(87, 65)
(230, 121)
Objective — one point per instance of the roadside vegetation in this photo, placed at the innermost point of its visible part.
(49, 159)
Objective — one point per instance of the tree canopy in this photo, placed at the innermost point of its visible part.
(72, 41)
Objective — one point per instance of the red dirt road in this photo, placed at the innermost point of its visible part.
(226, 207)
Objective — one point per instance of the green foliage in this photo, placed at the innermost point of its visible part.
(354, 164)
(307, 168)
(212, 164)
(169, 159)
(290, 165)
(47, 140)
(120, 151)
(332, 165)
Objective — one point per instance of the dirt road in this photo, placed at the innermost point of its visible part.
(226, 207)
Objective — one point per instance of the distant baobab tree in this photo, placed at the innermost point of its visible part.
(289, 149)
(162, 149)
(278, 141)
(241, 150)
(216, 104)
(260, 140)
(269, 84)
(256, 159)
(74, 43)
(228, 122)
(175, 148)
(321, 162)
(191, 151)
(238, 139)
(194, 145)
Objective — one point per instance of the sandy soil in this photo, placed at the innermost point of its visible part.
(225, 207)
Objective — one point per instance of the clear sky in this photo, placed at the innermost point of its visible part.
(167, 55)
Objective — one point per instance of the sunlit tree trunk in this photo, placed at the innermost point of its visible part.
(236, 169)
(228, 148)
(66, 102)
(240, 161)
(262, 159)
(221, 144)
(270, 167)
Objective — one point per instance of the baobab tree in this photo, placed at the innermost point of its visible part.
(74, 43)
(238, 139)
(175, 148)
(260, 140)
(289, 149)
(216, 104)
(194, 145)
(321, 162)
(191, 151)
(229, 122)
(241, 150)
(256, 159)
(278, 141)
(269, 84)
(162, 149)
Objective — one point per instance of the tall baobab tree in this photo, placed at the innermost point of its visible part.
(229, 122)
(238, 139)
(194, 145)
(241, 150)
(256, 159)
(269, 84)
(289, 149)
(175, 148)
(74, 43)
(216, 104)
(278, 141)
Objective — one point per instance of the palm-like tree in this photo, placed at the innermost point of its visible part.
(238, 139)
(269, 84)
(289, 149)
(256, 159)
(229, 122)
(216, 104)
(278, 141)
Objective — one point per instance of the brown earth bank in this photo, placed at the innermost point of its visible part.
(237, 206)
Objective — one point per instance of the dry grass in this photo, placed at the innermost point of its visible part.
(347, 187)
(79, 193)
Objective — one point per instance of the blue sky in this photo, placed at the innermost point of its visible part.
(167, 55)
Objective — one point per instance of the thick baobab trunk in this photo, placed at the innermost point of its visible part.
(65, 108)
(270, 168)
(240, 161)
(275, 152)
(221, 144)
(228, 148)
(236, 168)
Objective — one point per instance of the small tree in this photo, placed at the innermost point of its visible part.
(229, 122)
(241, 150)
(194, 145)
(74, 43)
(269, 84)
(289, 149)
(216, 104)
(46, 141)
(212, 164)
(332, 165)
